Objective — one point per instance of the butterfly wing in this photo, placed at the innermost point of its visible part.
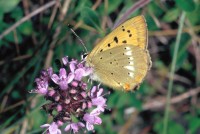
(122, 67)
(133, 32)
(121, 59)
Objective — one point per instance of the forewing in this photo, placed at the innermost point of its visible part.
(133, 32)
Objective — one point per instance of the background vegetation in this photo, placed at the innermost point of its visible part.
(34, 33)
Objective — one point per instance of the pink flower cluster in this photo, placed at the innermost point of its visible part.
(69, 97)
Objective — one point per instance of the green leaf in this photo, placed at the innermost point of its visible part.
(17, 13)
(194, 123)
(81, 5)
(154, 8)
(113, 5)
(134, 101)
(1, 18)
(194, 17)
(119, 116)
(175, 128)
(91, 18)
(15, 94)
(151, 23)
(171, 15)
(8, 5)
(186, 5)
(26, 28)
(112, 100)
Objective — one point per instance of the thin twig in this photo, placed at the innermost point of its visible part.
(16, 42)
(161, 102)
(97, 3)
(25, 18)
(22, 57)
(22, 102)
(172, 32)
(136, 6)
(53, 14)
(129, 123)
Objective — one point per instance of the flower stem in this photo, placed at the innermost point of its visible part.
(170, 85)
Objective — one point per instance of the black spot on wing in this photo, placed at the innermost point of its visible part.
(123, 29)
(108, 44)
(124, 41)
(116, 39)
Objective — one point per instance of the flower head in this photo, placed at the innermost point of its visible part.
(69, 99)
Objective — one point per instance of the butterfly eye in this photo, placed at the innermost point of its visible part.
(83, 56)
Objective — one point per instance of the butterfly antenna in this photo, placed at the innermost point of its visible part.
(81, 41)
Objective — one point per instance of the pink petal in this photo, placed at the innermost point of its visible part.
(94, 88)
(59, 108)
(89, 126)
(53, 128)
(65, 60)
(37, 80)
(98, 120)
(50, 71)
(67, 128)
(42, 91)
(79, 74)
(59, 132)
(74, 83)
(88, 71)
(95, 112)
(100, 101)
(72, 67)
(74, 127)
(83, 86)
(84, 105)
(83, 94)
(92, 119)
(89, 104)
(45, 125)
(101, 108)
(63, 85)
(63, 73)
(100, 92)
(81, 124)
(51, 92)
(70, 77)
(55, 78)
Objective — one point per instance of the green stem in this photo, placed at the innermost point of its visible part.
(170, 85)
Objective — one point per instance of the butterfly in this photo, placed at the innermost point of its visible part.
(121, 59)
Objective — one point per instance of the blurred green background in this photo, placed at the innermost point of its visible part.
(34, 33)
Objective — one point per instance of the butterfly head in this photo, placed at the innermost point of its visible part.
(84, 56)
